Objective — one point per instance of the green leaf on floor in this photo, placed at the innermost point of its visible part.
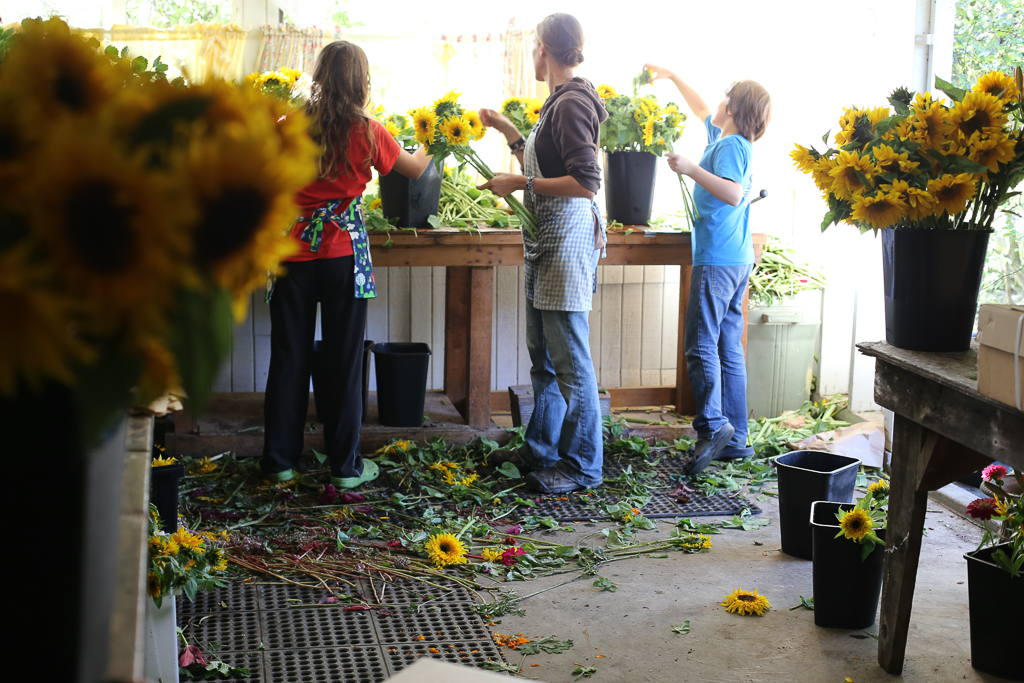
(804, 602)
(683, 628)
(550, 645)
(606, 585)
(584, 672)
(697, 528)
(320, 457)
(501, 666)
(510, 470)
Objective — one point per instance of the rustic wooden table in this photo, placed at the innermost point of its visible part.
(470, 259)
(943, 430)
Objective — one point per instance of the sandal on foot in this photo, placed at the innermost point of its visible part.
(370, 472)
(550, 480)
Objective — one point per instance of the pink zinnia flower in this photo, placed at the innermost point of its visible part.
(516, 530)
(982, 508)
(993, 472)
(192, 654)
(510, 557)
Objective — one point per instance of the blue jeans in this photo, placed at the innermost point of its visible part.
(715, 360)
(565, 428)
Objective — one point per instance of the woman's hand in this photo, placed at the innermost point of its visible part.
(499, 122)
(503, 184)
(658, 71)
(680, 164)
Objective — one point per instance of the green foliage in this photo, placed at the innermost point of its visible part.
(606, 584)
(169, 13)
(683, 628)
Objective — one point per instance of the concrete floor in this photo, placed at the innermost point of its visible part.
(631, 627)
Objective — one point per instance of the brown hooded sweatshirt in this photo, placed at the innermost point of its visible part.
(567, 143)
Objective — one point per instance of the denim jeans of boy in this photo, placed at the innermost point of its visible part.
(565, 428)
(715, 360)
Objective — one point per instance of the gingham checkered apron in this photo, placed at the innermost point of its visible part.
(561, 264)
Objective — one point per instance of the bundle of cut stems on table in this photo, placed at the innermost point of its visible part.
(526, 219)
(780, 274)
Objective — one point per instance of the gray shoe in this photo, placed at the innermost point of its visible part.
(550, 480)
(705, 450)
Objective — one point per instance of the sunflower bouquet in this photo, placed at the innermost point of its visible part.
(446, 129)
(182, 561)
(289, 85)
(640, 124)
(137, 217)
(859, 523)
(523, 113)
(1005, 505)
(923, 163)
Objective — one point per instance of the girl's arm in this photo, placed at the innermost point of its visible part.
(413, 165)
(694, 101)
(506, 183)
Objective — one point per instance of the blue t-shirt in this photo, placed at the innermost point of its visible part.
(721, 235)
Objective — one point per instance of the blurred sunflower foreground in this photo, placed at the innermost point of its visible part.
(136, 216)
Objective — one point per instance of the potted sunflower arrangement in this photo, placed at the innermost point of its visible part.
(931, 176)
(847, 541)
(411, 202)
(289, 85)
(637, 131)
(995, 574)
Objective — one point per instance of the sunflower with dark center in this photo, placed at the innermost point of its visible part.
(445, 549)
(746, 603)
(856, 524)
(977, 112)
(952, 192)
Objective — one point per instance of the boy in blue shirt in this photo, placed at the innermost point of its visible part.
(723, 256)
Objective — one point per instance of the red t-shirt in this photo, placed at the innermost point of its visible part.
(348, 187)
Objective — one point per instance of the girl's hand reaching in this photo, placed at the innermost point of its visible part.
(658, 71)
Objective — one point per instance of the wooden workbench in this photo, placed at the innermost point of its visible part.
(470, 259)
(943, 430)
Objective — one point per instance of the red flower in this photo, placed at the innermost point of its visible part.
(349, 498)
(509, 541)
(395, 544)
(327, 494)
(982, 508)
(993, 472)
(192, 654)
(509, 558)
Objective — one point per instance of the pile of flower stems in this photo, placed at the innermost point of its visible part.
(779, 274)
(456, 205)
(526, 219)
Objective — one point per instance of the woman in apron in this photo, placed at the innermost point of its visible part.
(561, 177)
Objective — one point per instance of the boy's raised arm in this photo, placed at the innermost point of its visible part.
(694, 101)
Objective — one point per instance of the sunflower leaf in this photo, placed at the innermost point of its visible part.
(683, 628)
(510, 470)
(956, 94)
(201, 329)
(550, 645)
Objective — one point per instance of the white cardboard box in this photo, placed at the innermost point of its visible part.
(999, 345)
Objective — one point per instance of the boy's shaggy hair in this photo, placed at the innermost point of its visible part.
(751, 108)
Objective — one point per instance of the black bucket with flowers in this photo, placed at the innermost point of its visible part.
(848, 557)
(995, 575)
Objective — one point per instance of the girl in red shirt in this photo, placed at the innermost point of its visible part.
(333, 268)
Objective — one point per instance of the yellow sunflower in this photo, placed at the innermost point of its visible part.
(490, 554)
(476, 127)
(171, 547)
(879, 211)
(919, 203)
(845, 180)
(392, 128)
(291, 74)
(424, 120)
(999, 85)
(222, 562)
(649, 132)
(161, 461)
(992, 151)
(153, 588)
(746, 603)
(855, 524)
(46, 346)
(187, 540)
(606, 91)
(822, 173)
(445, 549)
(879, 489)
(977, 112)
(952, 192)
(513, 104)
(889, 161)
(930, 121)
(375, 203)
(456, 130)
(533, 108)
(53, 72)
(201, 466)
(803, 158)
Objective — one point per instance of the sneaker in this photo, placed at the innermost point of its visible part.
(734, 453)
(705, 450)
(550, 480)
(370, 472)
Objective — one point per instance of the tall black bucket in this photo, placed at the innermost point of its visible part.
(629, 186)
(163, 493)
(846, 589)
(931, 279)
(401, 382)
(995, 604)
(323, 392)
(410, 201)
(806, 477)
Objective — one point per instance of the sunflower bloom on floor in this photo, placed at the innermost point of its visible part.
(746, 603)
(445, 549)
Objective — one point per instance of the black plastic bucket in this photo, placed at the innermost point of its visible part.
(323, 392)
(629, 186)
(401, 382)
(806, 477)
(996, 603)
(163, 493)
(410, 201)
(931, 280)
(846, 590)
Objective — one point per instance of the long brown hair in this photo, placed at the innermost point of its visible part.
(562, 35)
(339, 101)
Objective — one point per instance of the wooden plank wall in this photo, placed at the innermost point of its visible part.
(633, 327)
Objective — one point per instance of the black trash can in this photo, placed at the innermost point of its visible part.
(806, 477)
(323, 392)
(401, 382)
(163, 493)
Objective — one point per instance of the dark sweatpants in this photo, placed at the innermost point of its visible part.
(293, 325)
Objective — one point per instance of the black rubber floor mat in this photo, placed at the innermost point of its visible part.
(235, 597)
(232, 631)
(471, 653)
(571, 507)
(347, 663)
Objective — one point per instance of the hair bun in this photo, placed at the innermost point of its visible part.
(574, 57)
